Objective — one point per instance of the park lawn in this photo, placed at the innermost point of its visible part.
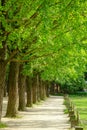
(80, 103)
(2, 125)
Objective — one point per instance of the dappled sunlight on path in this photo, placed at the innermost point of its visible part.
(46, 116)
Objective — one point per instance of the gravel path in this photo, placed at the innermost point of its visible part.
(48, 115)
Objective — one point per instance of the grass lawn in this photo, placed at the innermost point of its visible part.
(80, 102)
(2, 125)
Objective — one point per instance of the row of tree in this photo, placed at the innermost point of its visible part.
(45, 37)
(24, 91)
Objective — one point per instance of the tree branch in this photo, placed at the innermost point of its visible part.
(12, 56)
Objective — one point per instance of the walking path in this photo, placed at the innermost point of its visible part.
(47, 116)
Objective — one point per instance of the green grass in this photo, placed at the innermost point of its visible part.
(2, 125)
(80, 102)
(65, 111)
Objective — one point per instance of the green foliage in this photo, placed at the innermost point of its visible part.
(74, 86)
(51, 36)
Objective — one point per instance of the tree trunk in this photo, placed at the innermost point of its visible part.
(52, 89)
(47, 89)
(2, 61)
(34, 85)
(5, 90)
(29, 91)
(38, 88)
(21, 86)
(2, 84)
(12, 107)
(44, 89)
(2, 75)
(41, 90)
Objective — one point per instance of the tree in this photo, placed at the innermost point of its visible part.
(29, 91)
(51, 35)
(22, 89)
(12, 107)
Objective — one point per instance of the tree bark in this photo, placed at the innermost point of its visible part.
(2, 64)
(2, 84)
(52, 89)
(5, 90)
(21, 86)
(44, 89)
(38, 88)
(41, 90)
(34, 85)
(12, 107)
(29, 91)
(47, 89)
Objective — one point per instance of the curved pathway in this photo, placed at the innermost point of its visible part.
(48, 115)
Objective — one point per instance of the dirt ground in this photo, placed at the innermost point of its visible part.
(48, 115)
